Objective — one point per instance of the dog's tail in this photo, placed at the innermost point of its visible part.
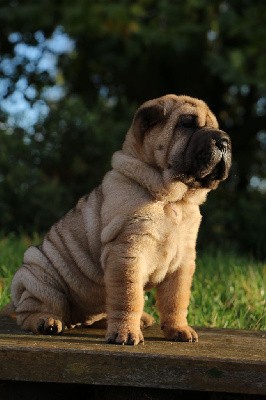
(8, 311)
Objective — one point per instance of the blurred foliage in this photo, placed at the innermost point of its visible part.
(126, 52)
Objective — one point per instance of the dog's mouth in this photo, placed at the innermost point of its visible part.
(216, 175)
(207, 179)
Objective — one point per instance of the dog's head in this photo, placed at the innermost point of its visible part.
(179, 136)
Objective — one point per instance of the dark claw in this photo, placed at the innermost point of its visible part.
(112, 340)
(50, 330)
(130, 341)
(178, 338)
(40, 328)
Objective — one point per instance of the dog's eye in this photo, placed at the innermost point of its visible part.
(188, 121)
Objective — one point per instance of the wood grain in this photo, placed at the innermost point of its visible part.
(223, 360)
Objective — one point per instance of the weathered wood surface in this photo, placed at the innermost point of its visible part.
(222, 361)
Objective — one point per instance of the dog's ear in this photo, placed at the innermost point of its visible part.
(150, 114)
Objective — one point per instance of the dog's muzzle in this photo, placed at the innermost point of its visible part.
(207, 158)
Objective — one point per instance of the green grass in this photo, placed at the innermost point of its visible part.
(11, 257)
(228, 290)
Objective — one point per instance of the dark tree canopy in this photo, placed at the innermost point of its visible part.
(72, 74)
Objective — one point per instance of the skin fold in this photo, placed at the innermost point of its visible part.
(134, 232)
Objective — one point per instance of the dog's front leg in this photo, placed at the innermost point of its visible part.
(173, 296)
(124, 302)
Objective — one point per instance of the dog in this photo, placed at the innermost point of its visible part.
(134, 232)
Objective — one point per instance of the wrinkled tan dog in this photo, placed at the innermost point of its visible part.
(136, 231)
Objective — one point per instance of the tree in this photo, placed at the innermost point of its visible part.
(126, 52)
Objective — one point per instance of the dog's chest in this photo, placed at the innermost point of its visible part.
(176, 233)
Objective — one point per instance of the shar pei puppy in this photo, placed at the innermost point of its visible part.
(134, 232)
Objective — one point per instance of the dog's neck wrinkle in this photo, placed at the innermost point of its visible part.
(148, 177)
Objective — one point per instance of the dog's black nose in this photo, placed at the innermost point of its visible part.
(221, 143)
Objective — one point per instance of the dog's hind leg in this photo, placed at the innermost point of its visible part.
(45, 324)
(146, 320)
(35, 316)
(100, 321)
(39, 299)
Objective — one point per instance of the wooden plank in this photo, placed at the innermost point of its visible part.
(232, 361)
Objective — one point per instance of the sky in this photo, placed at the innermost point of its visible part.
(22, 103)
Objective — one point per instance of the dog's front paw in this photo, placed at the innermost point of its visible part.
(180, 333)
(49, 326)
(146, 320)
(124, 335)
